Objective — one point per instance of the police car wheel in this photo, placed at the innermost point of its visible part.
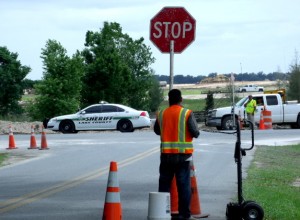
(125, 126)
(67, 126)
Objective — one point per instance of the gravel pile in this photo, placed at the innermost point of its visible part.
(21, 127)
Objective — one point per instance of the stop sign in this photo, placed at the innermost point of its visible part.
(172, 23)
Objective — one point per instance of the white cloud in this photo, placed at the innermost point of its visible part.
(261, 35)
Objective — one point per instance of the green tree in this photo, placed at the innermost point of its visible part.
(117, 68)
(59, 91)
(28, 83)
(293, 91)
(156, 95)
(11, 75)
(209, 101)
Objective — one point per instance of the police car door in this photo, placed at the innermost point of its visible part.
(88, 117)
(106, 117)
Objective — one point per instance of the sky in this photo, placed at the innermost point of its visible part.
(232, 36)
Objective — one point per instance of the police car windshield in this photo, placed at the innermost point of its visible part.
(241, 102)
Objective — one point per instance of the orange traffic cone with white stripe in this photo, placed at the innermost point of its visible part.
(261, 122)
(112, 207)
(11, 140)
(44, 145)
(33, 144)
(195, 200)
(195, 207)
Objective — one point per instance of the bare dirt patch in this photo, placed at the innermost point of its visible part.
(21, 127)
(296, 183)
(267, 84)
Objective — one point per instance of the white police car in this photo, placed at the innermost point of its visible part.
(103, 116)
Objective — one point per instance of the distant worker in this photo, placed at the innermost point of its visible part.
(250, 108)
(177, 127)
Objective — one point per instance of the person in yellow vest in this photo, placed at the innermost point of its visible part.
(177, 127)
(250, 107)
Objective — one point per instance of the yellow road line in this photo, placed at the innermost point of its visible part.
(37, 195)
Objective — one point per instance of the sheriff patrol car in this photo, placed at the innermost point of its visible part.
(103, 116)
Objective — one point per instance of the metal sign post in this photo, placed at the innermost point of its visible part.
(233, 102)
(171, 64)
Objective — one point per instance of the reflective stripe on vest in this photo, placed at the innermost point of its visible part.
(181, 145)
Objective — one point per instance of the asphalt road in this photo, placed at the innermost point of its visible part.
(69, 180)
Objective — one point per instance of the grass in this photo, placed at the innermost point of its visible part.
(273, 181)
(28, 98)
(193, 104)
(198, 104)
(3, 156)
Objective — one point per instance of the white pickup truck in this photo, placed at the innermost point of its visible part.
(251, 88)
(222, 119)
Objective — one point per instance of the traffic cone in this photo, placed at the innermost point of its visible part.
(112, 207)
(32, 139)
(174, 197)
(241, 123)
(195, 200)
(11, 140)
(44, 145)
(261, 122)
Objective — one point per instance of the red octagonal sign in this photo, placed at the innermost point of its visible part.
(172, 23)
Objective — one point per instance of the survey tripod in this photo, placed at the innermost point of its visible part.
(246, 210)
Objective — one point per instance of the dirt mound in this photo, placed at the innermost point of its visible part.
(21, 127)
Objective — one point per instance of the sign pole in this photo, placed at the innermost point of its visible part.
(233, 102)
(171, 64)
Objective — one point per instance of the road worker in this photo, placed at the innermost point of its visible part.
(177, 127)
(250, 107)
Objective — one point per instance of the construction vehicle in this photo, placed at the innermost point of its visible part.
(287, 113)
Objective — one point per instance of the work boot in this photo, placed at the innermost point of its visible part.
(203, 215)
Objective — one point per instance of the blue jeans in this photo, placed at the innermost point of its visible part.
(176, 164)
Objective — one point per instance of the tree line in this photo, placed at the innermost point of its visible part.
(112, 67)
(260, 76)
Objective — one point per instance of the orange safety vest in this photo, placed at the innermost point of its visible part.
(175, 137)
